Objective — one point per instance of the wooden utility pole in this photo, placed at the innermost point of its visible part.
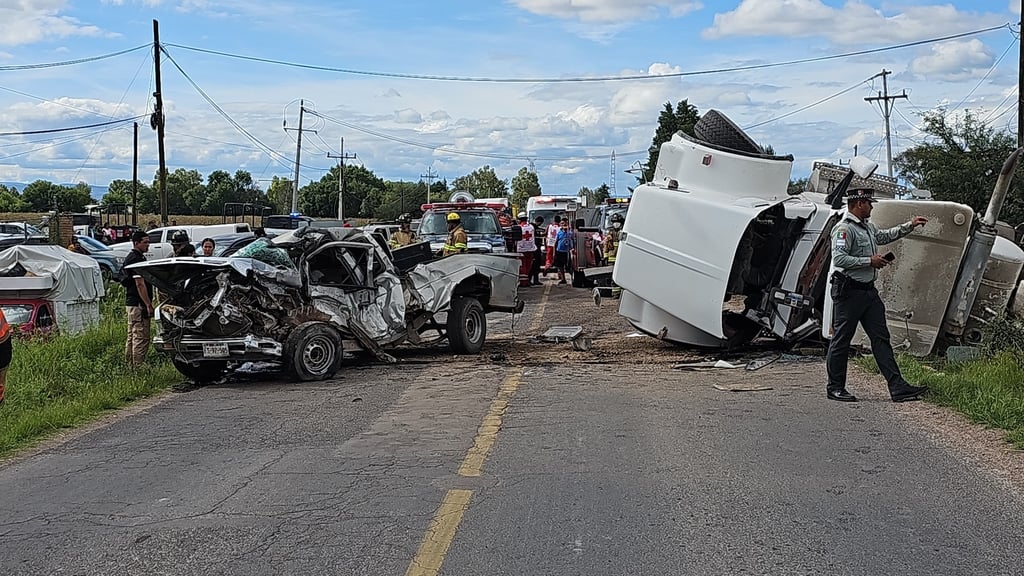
(886, 101)
(341, 177)
(157, 123)
(135, 178)
(430, 175)
(1020, 84)
(298, 155)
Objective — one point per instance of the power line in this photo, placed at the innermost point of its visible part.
(408, 76)
(61, 143)
(256, 141)
(71, 62)
(812, 105)
(987, 74)
(442, 148)
(48, 101)
(70, 128)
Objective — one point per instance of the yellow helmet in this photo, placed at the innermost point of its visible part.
(453, 216)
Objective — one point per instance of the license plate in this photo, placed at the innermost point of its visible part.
(215, 350)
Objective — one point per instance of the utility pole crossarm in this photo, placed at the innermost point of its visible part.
(886, 99)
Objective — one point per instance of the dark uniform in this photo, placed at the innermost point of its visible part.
(856, 300)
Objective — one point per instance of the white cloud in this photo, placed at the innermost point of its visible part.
(29, 21)
(854, 23)
(954, 61)
(608, 11)
(408, 116)
(1015, 7)
(565, 169)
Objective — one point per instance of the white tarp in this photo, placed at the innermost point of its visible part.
(76, 289)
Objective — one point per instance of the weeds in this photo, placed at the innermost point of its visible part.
(65, 381)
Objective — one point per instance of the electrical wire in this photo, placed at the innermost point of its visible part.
(61, 143)
(48, 101)
(586, 78)
(72, 62)
(812, 105)
(987, 74)
(1011, 94)
(70, 128)
(256, 141)
(442, 148)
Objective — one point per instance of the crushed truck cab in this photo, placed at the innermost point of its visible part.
(715, 252)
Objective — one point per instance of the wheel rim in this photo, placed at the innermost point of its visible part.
(320, 354)
(474, 326)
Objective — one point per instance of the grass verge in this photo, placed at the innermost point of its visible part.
(988, 391)
(67, 381)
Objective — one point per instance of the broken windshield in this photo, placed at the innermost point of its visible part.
(265, 252)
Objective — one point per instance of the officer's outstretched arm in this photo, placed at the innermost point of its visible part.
(892, 234)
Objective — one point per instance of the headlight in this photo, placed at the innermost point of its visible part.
(119, 261)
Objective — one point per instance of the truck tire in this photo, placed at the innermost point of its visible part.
(467, 325)
(715, 128)
(106, 273)
(202, 372)
(313, 351)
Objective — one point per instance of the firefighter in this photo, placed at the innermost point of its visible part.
(457, 242)
(405, 236)
(611, 239)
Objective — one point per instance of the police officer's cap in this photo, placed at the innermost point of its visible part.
(861, 194)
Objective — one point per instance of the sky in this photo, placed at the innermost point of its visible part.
(540, 93)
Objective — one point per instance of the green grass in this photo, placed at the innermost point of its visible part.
(67, 381)
(988, 391)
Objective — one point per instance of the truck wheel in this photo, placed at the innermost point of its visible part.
(313, 351)
(715, 128)
(467, 325)
(107, 274)
(201, 372)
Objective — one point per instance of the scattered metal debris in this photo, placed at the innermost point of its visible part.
(740, 387)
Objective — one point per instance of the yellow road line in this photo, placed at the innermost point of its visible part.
(440, 535)
(538, 316)
(488, 432)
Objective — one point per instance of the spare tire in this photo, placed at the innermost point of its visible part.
(715, 128)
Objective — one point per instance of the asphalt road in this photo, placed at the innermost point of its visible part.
(523, 461)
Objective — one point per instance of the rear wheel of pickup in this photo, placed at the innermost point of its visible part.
(467, 325)
(201, 372)
(715, 128)
(313, 351)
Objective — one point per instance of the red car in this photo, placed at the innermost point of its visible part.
(30, 317)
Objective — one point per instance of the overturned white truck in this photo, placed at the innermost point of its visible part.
(715, 252)
(307, 296)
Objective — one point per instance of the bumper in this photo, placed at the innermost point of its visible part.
(249, 348)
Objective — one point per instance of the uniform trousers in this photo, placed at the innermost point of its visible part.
(864, 307)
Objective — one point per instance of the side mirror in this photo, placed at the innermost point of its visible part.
(863, 167)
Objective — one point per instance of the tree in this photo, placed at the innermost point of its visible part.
(41, 196)
(960, 162)
(320, 198)
(279, 195)
(797, 186)
(524, 186)
(670, 121)
(482, 183)
(11, 201)
(184, 189)
(597, 195)
(120, 191)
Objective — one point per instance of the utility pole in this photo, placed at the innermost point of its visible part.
(430, 175)
(1020, 85)
(613, 168)
(135, 179)
(156, 122)
(341, 178)
(886, 101)
(298, 156)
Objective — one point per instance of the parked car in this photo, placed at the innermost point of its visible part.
(15, 233)
(305, 296)
(30, 317)
(110, 262)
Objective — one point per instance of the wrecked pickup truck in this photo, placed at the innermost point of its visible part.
(715, 252)
(306, 296)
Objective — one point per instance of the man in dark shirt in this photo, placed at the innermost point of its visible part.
(138, 304)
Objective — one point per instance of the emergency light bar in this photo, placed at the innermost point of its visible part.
(614, 201)
(461, 205)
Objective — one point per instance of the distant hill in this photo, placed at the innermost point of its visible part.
(97, 191)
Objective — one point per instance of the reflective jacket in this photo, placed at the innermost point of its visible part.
(457, 241)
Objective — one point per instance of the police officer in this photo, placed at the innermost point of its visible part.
(457, 242)
(611, 239)
(855, 256)
(405, 236)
